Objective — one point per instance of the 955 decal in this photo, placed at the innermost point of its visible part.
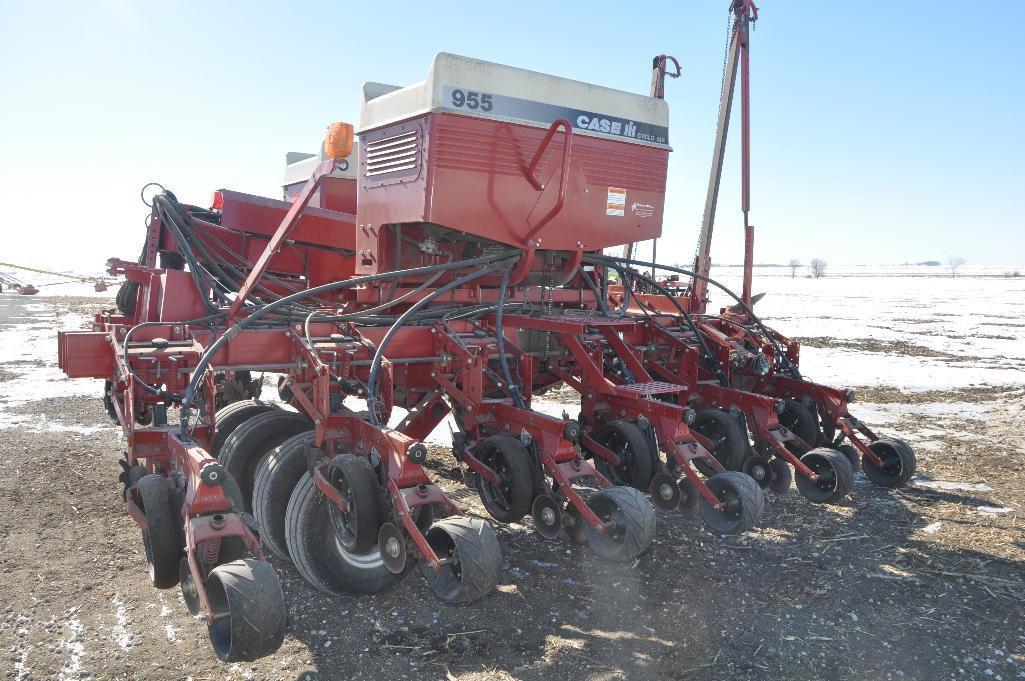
(471, 100)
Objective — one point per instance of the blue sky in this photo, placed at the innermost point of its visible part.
(883, 132)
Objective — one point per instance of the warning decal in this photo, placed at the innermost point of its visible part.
(617, 201)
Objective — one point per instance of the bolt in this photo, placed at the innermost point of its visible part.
(548, 516)
(392, 547)
(665, 491)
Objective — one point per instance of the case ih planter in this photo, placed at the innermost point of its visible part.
(450, 265)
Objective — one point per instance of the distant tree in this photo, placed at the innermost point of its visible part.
(953, 262)
(793, 265)
(818, 268)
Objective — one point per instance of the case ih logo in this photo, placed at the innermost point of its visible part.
(612, 127)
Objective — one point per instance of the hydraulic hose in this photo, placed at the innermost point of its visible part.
(375, 365)
(232, 332)
(606, 260)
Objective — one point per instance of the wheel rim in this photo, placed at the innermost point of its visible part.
(728, 496)
(824, 470)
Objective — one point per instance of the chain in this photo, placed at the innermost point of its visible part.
(548, 293)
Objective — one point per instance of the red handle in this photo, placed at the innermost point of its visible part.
(566, 151)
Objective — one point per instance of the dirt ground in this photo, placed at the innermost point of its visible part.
(920, 583)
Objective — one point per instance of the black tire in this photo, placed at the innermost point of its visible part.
(276, 478)
(319, 556)
(161, 535)
(836, 477)
(729, 442)
(472, 546)
(234, 415)
(512, 462)
(853, 456)
(782, 476)
(635, 523)
(246, 598)
(743, 497)
(252, 441)
(800, 420)
(354, 478)
(899, 463)
(638, 460)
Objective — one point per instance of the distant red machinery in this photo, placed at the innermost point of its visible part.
(99, 285)
(451, 268)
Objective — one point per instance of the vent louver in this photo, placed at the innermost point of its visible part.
(393, 154)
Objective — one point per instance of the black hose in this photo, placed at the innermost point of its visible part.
(232, 332)
(375, 365)
(711, 358)
(604, 259)
(514, 389)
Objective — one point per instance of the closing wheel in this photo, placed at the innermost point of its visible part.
(392, 545)
(802, 422)
(160, 536)
(759, 469)
(898, 463)
(637, 458)
(228, 418)
(248, 609)
(835, 476)
(728, 439)
(276, 478)
(690, 498)
(246, 448)
(190, 594)
(629, 523)
(742, 500)
(316, 547)
(665, 495)
(782, 476)
(547, 516)
(471, 555)
(852, 454)
(509, 501)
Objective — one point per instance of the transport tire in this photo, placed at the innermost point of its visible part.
(471, 546)
(161, 536)
(234, 415)
(836, 477)
(249, 607)
(251, 442)
(275, 481)
(899, 463)
(634, 520)
(744, 500)
(729, 442)
(319, 556)
(782, 476)
(801, 422)
(510, 501)
(637, 460)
